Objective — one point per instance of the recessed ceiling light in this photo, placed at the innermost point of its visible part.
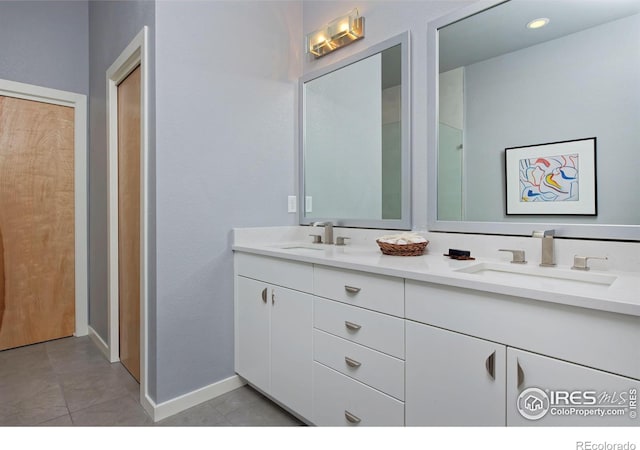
(537, 23)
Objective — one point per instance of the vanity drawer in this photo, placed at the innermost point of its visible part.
(294, 275)
(341, 401)
(372, 329)
(376, 292)
(373, 368)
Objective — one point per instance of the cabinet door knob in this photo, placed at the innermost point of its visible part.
(351, 418)
(352, 362)
(352, 326)
(520, 374)
(264, 295)
(273, 296)
(351, 289)
(490, 364)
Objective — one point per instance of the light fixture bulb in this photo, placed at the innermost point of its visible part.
(537, 23)
(337, 33)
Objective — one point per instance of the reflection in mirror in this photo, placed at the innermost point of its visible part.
(354, 146)
(500, 84)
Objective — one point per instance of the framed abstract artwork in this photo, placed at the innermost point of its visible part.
(555, 178)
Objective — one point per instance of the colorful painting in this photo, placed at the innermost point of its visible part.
(550, 178)
(554, 178)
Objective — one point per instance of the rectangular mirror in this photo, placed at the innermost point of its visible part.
(354, 140)
(499, 84)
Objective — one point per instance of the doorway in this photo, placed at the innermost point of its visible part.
(129, 221)
(43, 228)
(127, 143)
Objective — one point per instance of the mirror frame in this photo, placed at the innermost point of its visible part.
(587, 231)
(404, 223)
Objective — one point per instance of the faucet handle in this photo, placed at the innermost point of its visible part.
(581, 262)
(518, 255)
(317, 238)
(340, 240)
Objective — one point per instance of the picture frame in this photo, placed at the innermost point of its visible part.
(556, 178)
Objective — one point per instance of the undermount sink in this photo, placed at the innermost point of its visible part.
(297, 248)
(533, 273)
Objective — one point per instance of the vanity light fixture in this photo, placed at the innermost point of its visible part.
(337, 33)
(537, 23)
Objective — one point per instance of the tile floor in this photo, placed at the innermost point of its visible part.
(69, 382)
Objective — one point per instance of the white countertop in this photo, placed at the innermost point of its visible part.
(623, 296)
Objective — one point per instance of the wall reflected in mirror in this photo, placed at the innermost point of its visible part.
(353, 141)
(503, 85)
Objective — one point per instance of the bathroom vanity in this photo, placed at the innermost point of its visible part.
(344, 336)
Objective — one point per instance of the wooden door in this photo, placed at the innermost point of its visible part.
(129, 221)
(37, 235)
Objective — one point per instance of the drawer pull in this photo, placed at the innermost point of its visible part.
(490, 364)
(351, 289)
(351, 418)
(264, 295)
(352, 362)
(352, 326)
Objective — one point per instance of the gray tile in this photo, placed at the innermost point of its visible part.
(45, 402)
(277, 417)
(236, 399)
(82, 345)
(261, 413)
(23, 360)
(24, 386)
(40, 384)
(204, 414)
(82, 390)
(62, 421)
(123, 411)
(127, 380)
(74, 355)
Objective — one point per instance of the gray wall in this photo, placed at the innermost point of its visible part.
(226, 131)
(578, 86)
(45, 43)
(385, 19)
(112, 25)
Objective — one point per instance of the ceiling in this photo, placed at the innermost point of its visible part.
(502, 28)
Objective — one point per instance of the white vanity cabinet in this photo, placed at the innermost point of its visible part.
(274, 329)
(358, 349)
(343, 347)
(565, 348)
(453, 379)
(577, 395)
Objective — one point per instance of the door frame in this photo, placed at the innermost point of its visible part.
(79, 103)
(134, 55)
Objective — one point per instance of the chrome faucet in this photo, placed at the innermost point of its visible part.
(328, 231)
(548, 258)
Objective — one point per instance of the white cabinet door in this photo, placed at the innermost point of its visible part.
(453, 379)
(543, 391)
(253, 310)
(291, 348)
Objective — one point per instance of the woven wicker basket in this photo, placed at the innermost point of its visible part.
(415, 249)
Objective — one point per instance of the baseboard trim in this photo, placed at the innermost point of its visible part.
(186, 401)
(99, 342)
